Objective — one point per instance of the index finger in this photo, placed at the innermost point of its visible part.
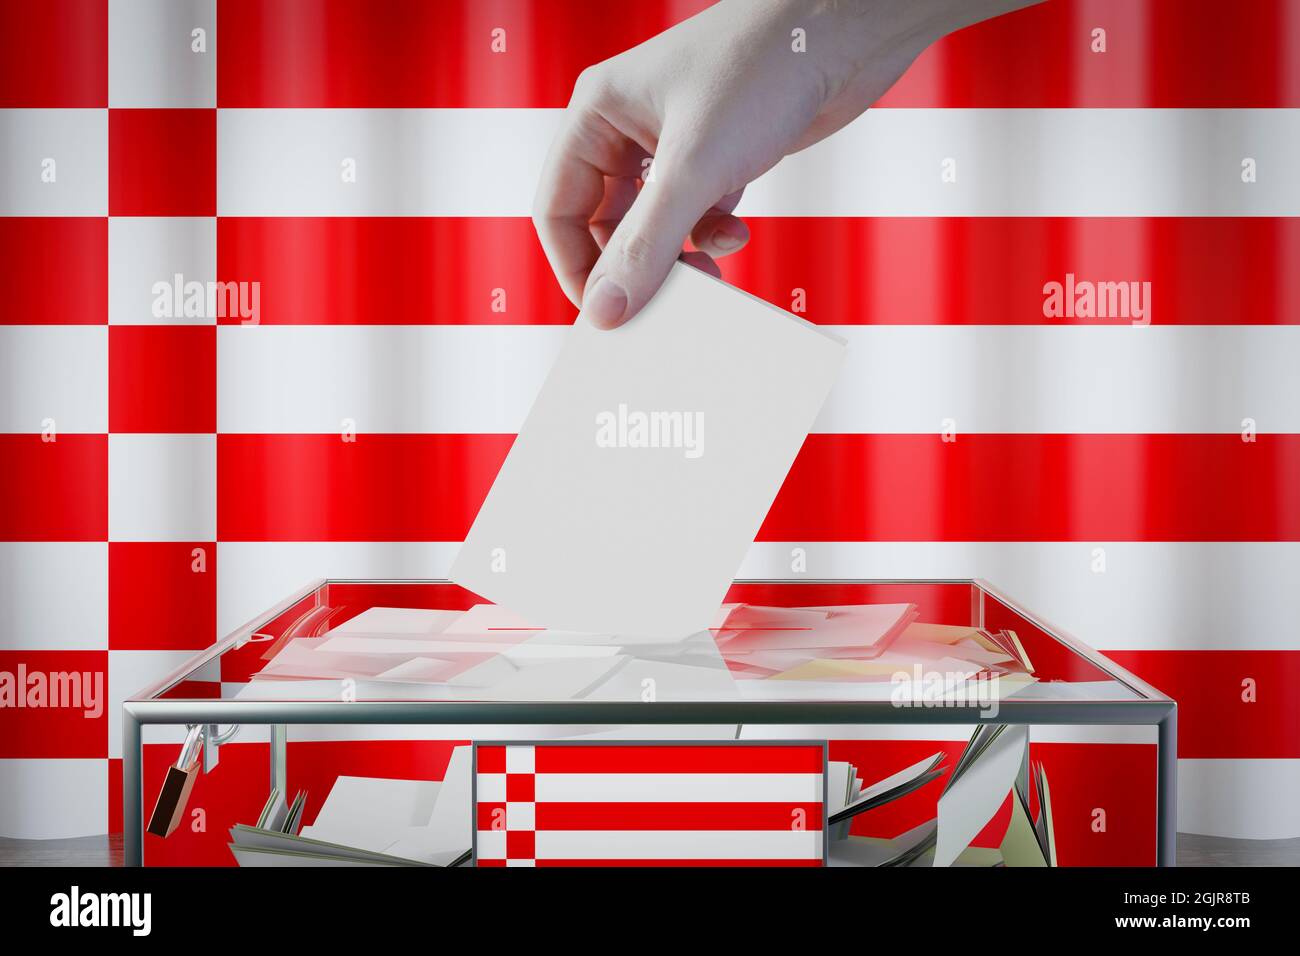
(570, 191)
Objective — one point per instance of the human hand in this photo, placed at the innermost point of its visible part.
(715, 102)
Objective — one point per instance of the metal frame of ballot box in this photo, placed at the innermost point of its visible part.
(1149, 707)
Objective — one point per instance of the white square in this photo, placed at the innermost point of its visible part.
(521, 862)
(491, 845)
(162, 487)
(151, 57)
(520, 760)
(76, 140)
(56, 374)
(145, 250)
(257, 574)
(491, 788)
(521, 816)
(130, 672)
(54, 595)
(53, 799)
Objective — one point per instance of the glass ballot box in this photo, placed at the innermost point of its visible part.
(840, 722)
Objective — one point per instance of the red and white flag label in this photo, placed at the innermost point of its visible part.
(649, 804)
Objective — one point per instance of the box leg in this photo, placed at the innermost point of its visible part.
(1167, 790)
(132, 792)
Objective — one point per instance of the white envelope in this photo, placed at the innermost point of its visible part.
(371, 812)
(393, 621)
(491, 619)
(648, 462)
(861, 628)
(422, 670)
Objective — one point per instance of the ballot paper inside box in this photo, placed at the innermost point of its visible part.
(827, 661)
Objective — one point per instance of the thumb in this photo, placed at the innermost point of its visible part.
(646, 243)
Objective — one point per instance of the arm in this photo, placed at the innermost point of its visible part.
(716, 101)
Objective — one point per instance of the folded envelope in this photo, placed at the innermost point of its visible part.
(950, 634)
(491, 619)
(757, 617)
(422, 670)
(838, 670)
(869, 628)
(307, 658)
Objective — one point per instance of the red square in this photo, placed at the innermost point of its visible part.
(520, 788)
(69, 479)
(162, 378)
(491, 816)
(53, 54)
(162, 596)
(68, 253)
(491, 759)
(64, 704)
(521, 844)
(162, 162)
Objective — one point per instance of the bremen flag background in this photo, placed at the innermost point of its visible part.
(647, 804)
(1137, 485)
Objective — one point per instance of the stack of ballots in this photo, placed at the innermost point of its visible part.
(368, 821)
(751, 652)
(992, 766)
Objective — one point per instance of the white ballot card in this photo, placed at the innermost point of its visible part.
(648, 462)
(974, 796)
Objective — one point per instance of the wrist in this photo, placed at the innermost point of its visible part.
(862, 31)
(840, 38)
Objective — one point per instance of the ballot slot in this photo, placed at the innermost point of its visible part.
(435, 641)
(751, 651)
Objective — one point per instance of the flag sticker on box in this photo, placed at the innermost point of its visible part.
(589, 803)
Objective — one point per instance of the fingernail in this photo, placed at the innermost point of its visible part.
(727, 237)
(605, 303)
(723, 240)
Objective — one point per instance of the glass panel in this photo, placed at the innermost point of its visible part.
(908, 643)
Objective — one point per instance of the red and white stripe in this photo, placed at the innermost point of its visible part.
(177, 434)
(576, 804)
